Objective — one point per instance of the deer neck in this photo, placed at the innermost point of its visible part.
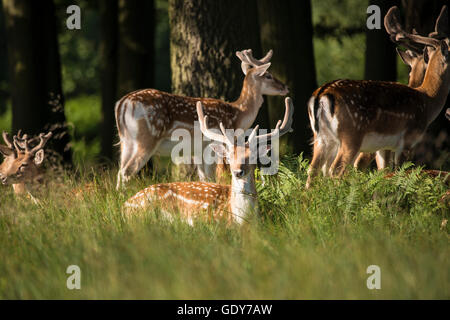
(243, 197)
(248, 103)
(435, 87)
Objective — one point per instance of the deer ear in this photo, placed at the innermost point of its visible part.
(219, 149)
(444, 49)
(5, 151)
(39, 157)
(260, 70)
(405, 56)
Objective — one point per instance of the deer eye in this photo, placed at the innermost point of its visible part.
(268, 76)
(23, 167)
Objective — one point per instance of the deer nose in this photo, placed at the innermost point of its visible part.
(238, 173)
(3, 179)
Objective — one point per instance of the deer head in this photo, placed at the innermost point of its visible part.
(416, 55)
(256, 70)
(21, 163)
(238, 155)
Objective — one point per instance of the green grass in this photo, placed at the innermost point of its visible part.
(304, 244)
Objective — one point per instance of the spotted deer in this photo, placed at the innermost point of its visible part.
(212, 201)
(21, 164)
(353, 116)
(416, 57)
(147, 118)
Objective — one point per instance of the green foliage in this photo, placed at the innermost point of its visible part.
(339, 59)
(305, 244)
(340, 14)
(6, 118)
(79, 52)
(83, 115)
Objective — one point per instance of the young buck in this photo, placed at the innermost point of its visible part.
(21, 164)
(147, 118)
(416, 57)
(352, 116)
(212, 201)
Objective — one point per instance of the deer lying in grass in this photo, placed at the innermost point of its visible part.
(367, 116)
(21, 164)
(147, 118)
(212, 201)
(416, 57)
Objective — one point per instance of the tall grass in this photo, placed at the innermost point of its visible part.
(304, 244)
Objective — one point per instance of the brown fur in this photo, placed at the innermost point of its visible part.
(160, 113)
(360, 108)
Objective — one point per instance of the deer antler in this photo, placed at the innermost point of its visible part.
(280, 128)
(8, 140)
(248, 61)
(207, 132)
(441, 26)
(22, 144)
(394, 27)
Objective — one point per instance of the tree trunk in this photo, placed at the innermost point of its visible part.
(434, 149)
(286, 27)
(381, 57)
(136, 45)
(108, 70)
(204, 38)
(35, 71)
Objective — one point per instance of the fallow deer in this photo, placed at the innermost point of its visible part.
(21, 164)
(416, 57)
(368, 116)
(147, 118)
(212, 201)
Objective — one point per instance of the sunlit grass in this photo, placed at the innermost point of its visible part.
(313, 243)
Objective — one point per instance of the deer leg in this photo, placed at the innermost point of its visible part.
(141, 154)
(346, 156)
(398, 153)
(317, 161)
(363, 160)
(330, 154)
(383, 159)
(126, 151)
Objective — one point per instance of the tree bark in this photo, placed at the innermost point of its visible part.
(35, 71)
(204, 38)
(380, 56)
(286, 27)
(136, 45)
(108, 70)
